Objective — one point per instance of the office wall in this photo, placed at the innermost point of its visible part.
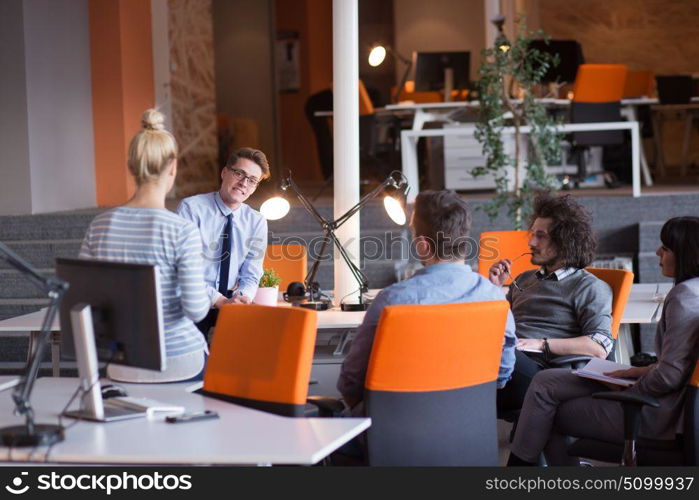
(60, 112)
(644, 34)
(244, 72)
(439, 25)
(46, 139)
(15, 181)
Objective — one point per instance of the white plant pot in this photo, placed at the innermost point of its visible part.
(266, 296)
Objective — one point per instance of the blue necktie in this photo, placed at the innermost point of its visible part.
(225, 258)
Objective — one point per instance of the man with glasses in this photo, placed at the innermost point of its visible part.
(234, 236)
(560, 309)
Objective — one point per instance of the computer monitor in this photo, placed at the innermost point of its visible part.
(111, 312)
(430, 70)
(570, 56)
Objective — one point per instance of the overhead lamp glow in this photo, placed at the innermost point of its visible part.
(394, 209)
(275, 208)
(377, 55)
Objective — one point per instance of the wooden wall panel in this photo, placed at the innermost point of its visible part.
(193, 95)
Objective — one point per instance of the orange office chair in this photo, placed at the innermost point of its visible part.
(620, 282)
(431, 382)
(289, 261)
(597, 97)
(639, 84)
(496, 245)
(261, 357)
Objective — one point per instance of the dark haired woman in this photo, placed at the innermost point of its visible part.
(559, 403)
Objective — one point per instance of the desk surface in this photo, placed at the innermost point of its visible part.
(643, 307)
(240, 436)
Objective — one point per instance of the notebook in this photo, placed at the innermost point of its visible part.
(596, 368)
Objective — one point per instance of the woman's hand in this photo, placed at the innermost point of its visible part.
(633, 372)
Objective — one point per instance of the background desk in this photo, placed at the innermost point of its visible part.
(409, 140)
(241, 436)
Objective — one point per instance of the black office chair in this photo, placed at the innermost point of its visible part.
(597, 98)
(683, 450)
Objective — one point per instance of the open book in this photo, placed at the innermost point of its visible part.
(596, 368)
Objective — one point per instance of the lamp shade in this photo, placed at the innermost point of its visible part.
(377, 55)
(394, 209)
(275, 208)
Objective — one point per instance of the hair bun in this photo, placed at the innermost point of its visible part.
(152, 119)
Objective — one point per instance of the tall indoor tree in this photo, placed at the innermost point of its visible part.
(504, 68)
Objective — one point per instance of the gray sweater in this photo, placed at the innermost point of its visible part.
(579, 304)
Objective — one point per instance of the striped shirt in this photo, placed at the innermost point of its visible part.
(161, 238)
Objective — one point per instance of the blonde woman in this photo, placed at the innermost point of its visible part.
(143, 231)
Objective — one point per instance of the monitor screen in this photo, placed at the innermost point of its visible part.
(429, 69)
(570, 56)
(126, 310)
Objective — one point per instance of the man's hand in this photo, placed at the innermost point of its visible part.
(633, 372)
(500, 272)
(239, 299)
(530, 345)
(220, 302)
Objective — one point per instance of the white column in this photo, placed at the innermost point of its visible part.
(346, 138)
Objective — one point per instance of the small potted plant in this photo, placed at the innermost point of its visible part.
(268, 290)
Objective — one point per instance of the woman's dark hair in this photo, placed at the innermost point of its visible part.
(571, 231)
(681, 235)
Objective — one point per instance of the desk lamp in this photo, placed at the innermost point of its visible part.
(277, 207)
(377, 55)
(31, 434)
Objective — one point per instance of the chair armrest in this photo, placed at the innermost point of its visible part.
(632, 404)
(327, 406)
(629, 398)
(572, 361)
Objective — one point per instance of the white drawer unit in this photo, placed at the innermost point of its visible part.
(462, 154)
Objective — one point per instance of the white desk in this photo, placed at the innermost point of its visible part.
(241, 436)
(409, 140)
(642, 308)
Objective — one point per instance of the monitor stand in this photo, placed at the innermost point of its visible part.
(92, 405)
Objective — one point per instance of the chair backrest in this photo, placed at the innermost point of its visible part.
(691, 420)
(674, 89)
(431, 384)
(496, 245)
(639, 83)
(261, 357)
(620, 282)
(599, 83)
(366, 107)
(289, 262)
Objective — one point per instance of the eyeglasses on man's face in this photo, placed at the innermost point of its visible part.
(240, 175)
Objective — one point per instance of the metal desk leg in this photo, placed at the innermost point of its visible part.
(340, 349)
(623, 347)
(56, 354)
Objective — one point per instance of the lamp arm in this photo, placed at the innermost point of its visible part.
(305, 202)
(55, 289)
(389, 181)
(356, 272)
(311, 276)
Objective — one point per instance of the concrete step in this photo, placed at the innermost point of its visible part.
(43, 253)
(14, 285)
(56, 226)
(16, 307)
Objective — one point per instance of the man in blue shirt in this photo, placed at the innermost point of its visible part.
(234, 236)
(440, 224)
